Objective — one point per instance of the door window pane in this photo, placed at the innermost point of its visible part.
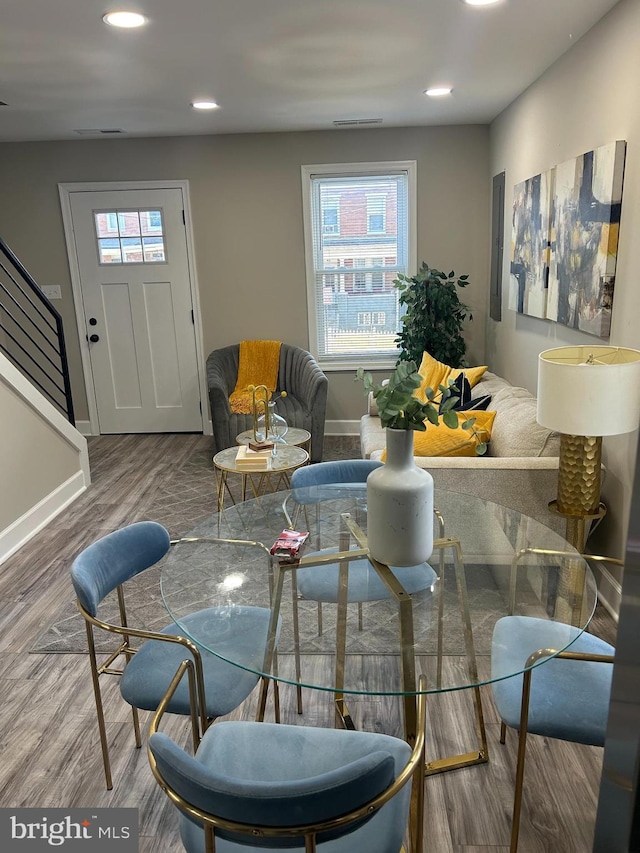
(151, 222)
(131, 250)
(109, 252)
(153, 249)
(119, 236)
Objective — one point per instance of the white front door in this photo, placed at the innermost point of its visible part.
(132, 261)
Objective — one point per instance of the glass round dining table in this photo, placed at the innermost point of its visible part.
(344, 623)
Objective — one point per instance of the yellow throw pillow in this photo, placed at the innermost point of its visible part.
(436, 373)
(442, 441)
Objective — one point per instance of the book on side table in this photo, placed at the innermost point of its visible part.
(254, 460)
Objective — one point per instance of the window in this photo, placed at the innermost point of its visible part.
(376, 214)
(129, 237)
(360, 227)
(366, 318)
(330, 224)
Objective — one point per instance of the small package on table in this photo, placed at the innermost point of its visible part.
(289, 544)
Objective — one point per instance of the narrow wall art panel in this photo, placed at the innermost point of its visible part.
(531, 225)
(585, 220)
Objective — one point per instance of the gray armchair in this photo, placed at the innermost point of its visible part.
(299, 375)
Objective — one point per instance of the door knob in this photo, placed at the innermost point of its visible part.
(94, 338)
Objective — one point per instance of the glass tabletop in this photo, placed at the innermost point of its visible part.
(347, 623)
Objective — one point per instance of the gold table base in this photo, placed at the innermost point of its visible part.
(405, 613)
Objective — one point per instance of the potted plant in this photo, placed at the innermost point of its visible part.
(400, 494)
(434, 316)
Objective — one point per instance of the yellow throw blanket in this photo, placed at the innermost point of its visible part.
(258, 365)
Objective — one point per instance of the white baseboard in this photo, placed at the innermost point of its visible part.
(84, 428)
(342, 427)
(25, 527)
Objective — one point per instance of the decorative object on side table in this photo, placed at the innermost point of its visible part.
(399, 494)
(268, 427)
(433, 315)
(586, 392)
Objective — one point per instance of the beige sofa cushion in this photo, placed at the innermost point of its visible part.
(515, 430)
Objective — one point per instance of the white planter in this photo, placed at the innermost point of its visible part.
(400, 506)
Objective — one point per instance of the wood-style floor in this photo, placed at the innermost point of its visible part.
(49, 748)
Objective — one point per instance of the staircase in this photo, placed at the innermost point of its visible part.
(31, 334)
(43, 459)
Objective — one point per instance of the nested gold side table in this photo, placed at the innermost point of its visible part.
(285, 460)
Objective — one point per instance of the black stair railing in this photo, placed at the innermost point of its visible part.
(31, 334)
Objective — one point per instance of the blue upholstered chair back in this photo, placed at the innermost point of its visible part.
(331, 474)
(116, 558)
(268, 790)
(339, 471)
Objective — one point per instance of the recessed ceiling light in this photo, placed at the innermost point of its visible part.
(480, 2)
(205, 105)
(126, 20)
(438, 91)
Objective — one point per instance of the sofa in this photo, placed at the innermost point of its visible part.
(520, 468)
(298, 374)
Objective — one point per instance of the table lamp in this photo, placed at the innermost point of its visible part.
(584, 393)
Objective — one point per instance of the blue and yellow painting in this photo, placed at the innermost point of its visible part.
(585, 223)
(565, 240)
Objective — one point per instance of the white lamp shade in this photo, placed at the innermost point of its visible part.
(589, 390)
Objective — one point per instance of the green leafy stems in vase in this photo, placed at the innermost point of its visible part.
(398, 408)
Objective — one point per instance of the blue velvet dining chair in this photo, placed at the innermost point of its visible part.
(218, 688)
(260, 786)
(566, 697)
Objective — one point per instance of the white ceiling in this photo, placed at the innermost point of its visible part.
(272, 65)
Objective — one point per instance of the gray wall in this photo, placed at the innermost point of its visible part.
(35, 459)
(588, 98)
(247, 213)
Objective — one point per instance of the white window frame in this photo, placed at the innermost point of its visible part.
(355, 170)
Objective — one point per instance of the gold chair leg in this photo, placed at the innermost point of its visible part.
(522, 745)
(276, 701)
(99, 709)
(296, 640)
(136, 727)
(417, 806)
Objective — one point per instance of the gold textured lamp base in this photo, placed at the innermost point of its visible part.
(579, 474)
(578, 501)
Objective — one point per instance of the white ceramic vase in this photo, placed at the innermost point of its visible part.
(400, 506)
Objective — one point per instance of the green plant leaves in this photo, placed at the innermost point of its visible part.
(434, 316)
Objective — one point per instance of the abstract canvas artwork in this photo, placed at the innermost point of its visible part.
(565, 240)
(586, 218)
(530, 245)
